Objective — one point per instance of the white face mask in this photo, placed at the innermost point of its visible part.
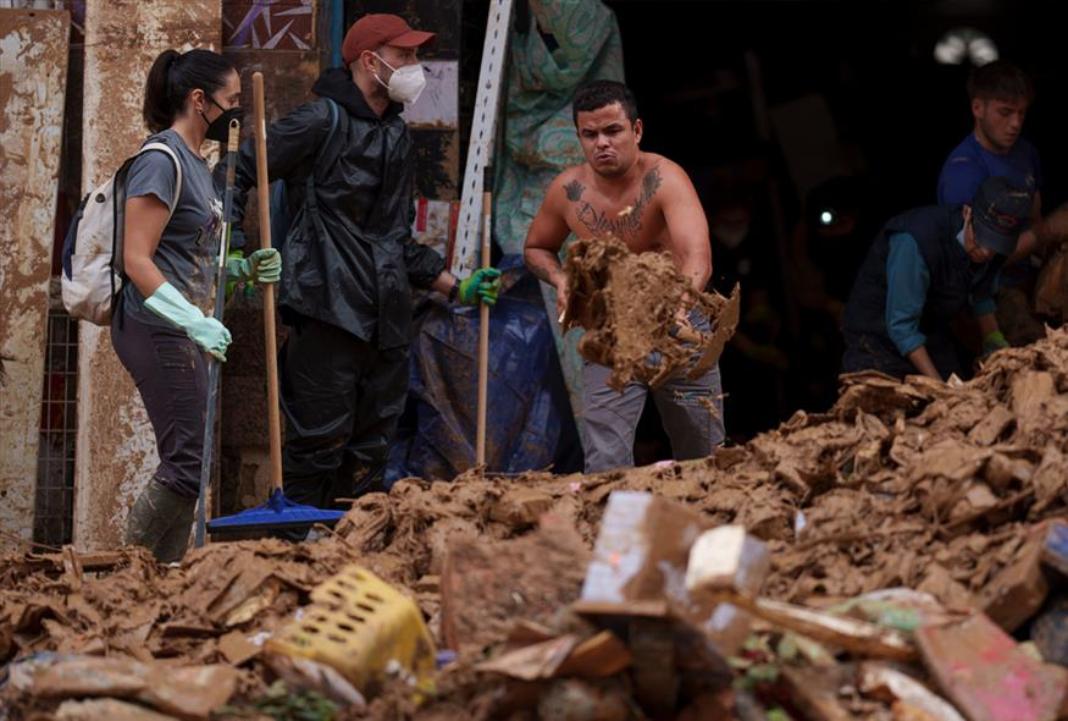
(405, 84)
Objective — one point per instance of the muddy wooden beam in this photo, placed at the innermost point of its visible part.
(857, 637)
(982, 670)
(91, 562)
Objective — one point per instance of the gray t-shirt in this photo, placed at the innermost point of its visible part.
(188, 249)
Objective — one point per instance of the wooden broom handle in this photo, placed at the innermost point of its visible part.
(483, 335)
(263, 192)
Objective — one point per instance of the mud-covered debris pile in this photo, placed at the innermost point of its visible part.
(947, 489)
(630, 306)
(920, 484)
(125, 603)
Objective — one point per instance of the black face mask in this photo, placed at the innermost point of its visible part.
(219, 129)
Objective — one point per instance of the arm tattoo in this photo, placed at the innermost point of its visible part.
(599, 223)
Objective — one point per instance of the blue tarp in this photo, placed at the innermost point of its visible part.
(529, 420)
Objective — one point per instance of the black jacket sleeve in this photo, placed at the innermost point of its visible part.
(292, 144)
(424, 264)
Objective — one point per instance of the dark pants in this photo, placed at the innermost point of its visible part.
(342, 398)
(171, 373)
(871, 352)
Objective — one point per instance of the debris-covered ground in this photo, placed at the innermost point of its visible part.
(948, 489)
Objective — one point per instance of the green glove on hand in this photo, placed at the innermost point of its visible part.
(484, 284)
(263, 266)
(205, 331)
(992, 341)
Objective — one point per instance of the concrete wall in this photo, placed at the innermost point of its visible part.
(116, 448)
(33, 74)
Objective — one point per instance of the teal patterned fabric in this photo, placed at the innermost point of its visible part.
(538, 138)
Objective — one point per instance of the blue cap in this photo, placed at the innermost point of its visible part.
(1000, 212)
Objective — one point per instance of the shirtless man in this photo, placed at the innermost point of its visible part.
(649, 203)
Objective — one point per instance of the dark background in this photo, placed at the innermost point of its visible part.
(897, 113)
(873, 61)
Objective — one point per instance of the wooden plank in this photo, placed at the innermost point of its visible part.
(86, 561)
(116, 448)
(33, 79)
(984, 673)
(727, 559)
(858, 637)
(1017, 593)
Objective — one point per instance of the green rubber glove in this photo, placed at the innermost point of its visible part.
(234, 261)
(992, 341)
(484, 284)
(205, 331)
(262, 266)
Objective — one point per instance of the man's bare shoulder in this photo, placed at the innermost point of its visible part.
(666, 169)
(665, 180)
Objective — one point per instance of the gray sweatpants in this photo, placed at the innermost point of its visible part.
(611, 418)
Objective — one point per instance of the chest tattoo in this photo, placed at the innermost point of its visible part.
(625, 225)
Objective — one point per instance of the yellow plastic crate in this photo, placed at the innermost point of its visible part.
(363, 627)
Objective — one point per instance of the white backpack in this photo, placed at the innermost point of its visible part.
(92, 251)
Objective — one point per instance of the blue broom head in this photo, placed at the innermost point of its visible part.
(278, 512)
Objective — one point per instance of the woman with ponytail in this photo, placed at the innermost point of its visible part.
(163, 327)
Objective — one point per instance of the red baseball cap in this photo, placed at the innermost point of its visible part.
(378, 29)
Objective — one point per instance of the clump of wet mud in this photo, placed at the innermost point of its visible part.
(630, 305)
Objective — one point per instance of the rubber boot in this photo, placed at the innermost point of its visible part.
(160, 520)
(173, 545)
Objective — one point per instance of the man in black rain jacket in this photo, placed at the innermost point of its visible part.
(350, 262)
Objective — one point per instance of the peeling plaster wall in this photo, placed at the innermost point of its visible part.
(116, 447)
(33, 76)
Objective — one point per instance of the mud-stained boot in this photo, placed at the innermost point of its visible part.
(175, 541)
(153, 519)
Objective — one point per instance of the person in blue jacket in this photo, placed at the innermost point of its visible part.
(923, 269)
(1001, 95)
